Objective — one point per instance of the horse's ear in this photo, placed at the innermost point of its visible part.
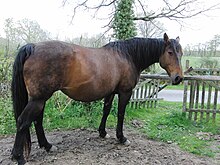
(166, 38)
(178, 39)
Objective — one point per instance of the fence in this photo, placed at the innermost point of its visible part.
(146, 93)
(201, 97)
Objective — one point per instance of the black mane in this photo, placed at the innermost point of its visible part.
(141, 51)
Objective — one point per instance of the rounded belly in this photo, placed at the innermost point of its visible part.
(86, 93)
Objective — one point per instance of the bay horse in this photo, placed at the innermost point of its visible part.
(84, 74)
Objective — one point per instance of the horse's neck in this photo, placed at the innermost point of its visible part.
(149, 54)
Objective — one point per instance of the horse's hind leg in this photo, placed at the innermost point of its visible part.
(22, 141)
(106, 110)
(29, 114)
(122, 103)
(42, 141)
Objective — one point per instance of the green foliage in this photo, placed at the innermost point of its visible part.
(7, 122)
(6, 68)
(123, 24)
(5, 75)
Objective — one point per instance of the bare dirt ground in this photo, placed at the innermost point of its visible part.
(83, 146)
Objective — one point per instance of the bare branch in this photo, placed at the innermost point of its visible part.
(102, 4)
(103, 35)
(142, 7)
(75, 8)
(172, 10)
(180, 11)
(84, 4)
(97, 6)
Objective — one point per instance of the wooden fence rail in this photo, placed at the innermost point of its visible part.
(201, 99)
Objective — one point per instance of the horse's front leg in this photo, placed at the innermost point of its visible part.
(122, 103)
(106, 110)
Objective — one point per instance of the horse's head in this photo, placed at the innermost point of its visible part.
(170, 60)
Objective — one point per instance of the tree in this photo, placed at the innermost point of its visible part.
(94, 41)
(207, 49)
(123, 24)
(11, 37)
(172, 10)
(213, 45)
(30, 31)
(150, 29)
(21, 32)
(24, 31)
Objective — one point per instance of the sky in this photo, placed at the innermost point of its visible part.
(55, 18)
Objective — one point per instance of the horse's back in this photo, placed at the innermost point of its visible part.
(82, 73)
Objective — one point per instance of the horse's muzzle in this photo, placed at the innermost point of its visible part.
(176, 79)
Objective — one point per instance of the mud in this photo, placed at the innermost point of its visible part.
(83, 146)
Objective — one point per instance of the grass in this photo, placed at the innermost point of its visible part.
(196, 61)
(168, 124)
(165, 123)
(175, 87)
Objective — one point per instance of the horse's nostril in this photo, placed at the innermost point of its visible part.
(178, 79)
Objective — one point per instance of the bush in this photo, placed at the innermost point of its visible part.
(5, 75)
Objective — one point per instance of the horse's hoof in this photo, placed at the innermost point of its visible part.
(53, 149)
(124, 141)
(19, 160)
(103, 134)
(127, 143)
(107, 136)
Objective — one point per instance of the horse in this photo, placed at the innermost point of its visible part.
(83, 74)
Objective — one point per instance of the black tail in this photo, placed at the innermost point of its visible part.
(19, 91)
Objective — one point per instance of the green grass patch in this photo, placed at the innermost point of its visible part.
(63, 113)
(165, 123)
(175, 87)
(196, 61)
